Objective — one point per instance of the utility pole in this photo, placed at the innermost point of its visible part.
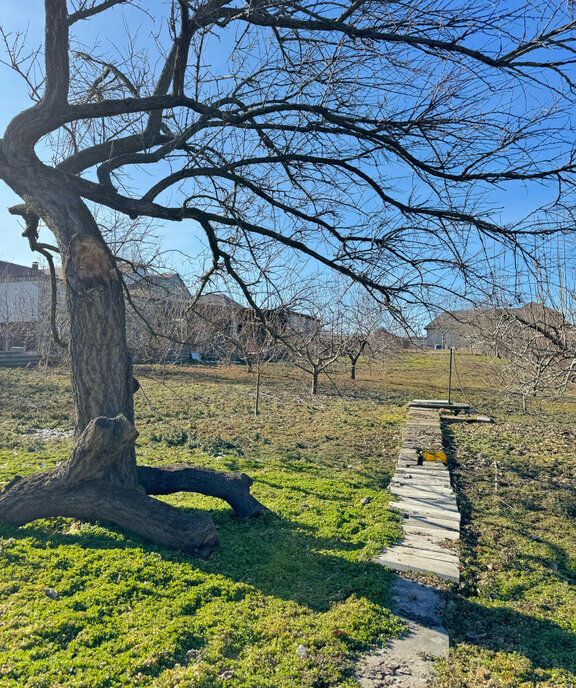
(450, 376)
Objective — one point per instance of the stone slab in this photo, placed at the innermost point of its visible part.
(408, 454)
(404, 559)
(469, 419)
(408, 478)
(437, 404)
(417, 541)
(423, 468)
(436, 533)
(427, 465)
(426, 555)
(406, 662)
(418, 484)
(427, 523)
(446, 512)
(425, 499)
(423, 491)
(415, 601)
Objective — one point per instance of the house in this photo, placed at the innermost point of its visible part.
(22, 299)
(487, 330)
(160, 288)
(223, 328)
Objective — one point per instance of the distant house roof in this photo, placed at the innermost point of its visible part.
(452, 317)
(215, 299)
(533, 312)
(165, 284)
(12, 270)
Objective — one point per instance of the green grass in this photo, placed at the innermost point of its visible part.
(128, 613)
(518, 551)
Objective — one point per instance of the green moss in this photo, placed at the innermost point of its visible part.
(128, 613)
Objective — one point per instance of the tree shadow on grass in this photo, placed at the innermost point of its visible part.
(546, 644)
(281, 558)
(290, 561)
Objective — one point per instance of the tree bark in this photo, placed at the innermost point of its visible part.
(100, 481)
(315, 375)
(258, 380)
(234, 488)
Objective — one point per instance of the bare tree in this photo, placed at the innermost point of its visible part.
(362, 316)
(535, 343)
(358, 134)
(314, 349)
(311, 328)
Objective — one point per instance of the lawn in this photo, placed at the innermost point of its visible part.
(286, 600)
(291, 598)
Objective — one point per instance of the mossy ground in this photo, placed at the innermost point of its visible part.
(128, 613)
(513, 619)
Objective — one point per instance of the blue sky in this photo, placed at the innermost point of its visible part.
(13, 98)
(515, 202)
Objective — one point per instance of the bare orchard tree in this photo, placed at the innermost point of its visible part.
(361, 135)
(311, 329)
(362, 317)
(314, 349)
(537, 369)
(535, 342)
(256, 345)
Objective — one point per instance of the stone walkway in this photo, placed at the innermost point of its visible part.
(425, 499)
(431, 523)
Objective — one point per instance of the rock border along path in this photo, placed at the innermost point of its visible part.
(431, 522)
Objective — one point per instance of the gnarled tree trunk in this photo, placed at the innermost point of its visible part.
(101, 480)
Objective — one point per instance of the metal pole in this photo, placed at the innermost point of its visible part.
(450, 376)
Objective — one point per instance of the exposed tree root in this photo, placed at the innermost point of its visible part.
(43, 495)
(234, 488)
(79, 489)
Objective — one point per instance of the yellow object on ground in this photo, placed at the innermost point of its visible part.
(435, 456)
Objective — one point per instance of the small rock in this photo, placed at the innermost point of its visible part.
(366, 500)
(192, 656)
(301, 651)
(226, 675)
(52, 594)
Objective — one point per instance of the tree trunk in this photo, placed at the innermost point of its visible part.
(315, 375)
(258, 380)
(100, 481)
(353, 371)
